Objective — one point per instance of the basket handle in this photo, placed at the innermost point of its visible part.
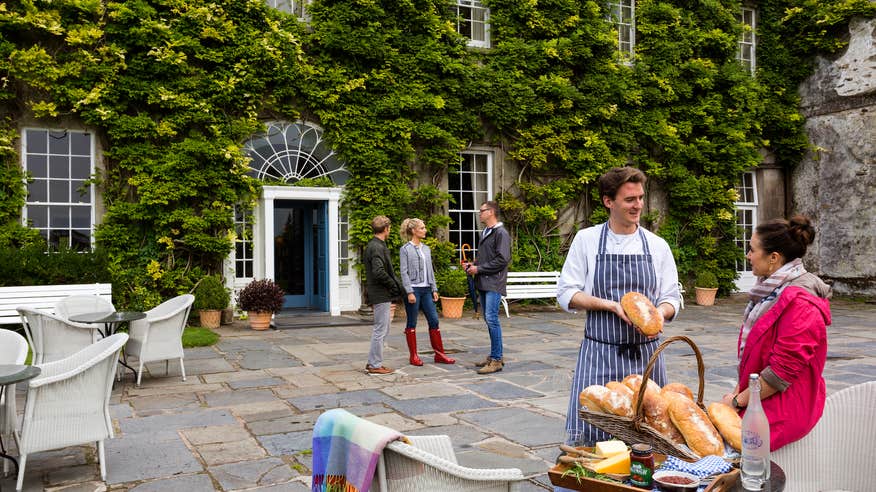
(637, 410)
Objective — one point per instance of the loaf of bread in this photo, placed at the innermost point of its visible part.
(728, 422)
(655, 409)
(642, 313)
(677, 388)
(693, 423)
(601, 399)
(621, 388)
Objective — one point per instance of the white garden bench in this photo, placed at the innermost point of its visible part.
(530, 285)
(43, 297)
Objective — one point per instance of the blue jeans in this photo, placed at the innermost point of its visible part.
(490, 301)
(422, 300)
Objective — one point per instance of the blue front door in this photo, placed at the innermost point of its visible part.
(300, 249)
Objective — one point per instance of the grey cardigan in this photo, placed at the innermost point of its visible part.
(414, 271)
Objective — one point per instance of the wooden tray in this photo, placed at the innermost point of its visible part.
(592, 484)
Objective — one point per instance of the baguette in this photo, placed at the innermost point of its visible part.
(728, 422)
(678, 388)
(642, 313)
(693, 423)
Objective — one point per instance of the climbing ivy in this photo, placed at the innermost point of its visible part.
(173, 87)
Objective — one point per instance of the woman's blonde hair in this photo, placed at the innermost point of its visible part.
(408, 226)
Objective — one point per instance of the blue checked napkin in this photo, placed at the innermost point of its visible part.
(710, 465)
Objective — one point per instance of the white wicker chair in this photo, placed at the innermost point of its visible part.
(836, 454)
(13, 350)
(51, 337)
(82, 304)
(429, 463)
(159, 335)
(68, 403)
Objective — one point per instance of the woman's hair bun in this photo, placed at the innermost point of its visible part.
(800, 229)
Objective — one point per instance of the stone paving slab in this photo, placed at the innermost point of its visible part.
(255, 473)
(189, 483)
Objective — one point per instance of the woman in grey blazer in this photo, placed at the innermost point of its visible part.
(418, 279)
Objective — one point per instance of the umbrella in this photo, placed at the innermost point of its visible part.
(472, 290)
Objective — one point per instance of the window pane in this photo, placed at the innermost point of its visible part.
(80, 217)
(59, 143)
(59, 191)
(37, 166)
(59, 166)
(38, 216)
(80, 239)
(38, 191)
(59, 217)
(37, 141)
(80, 144)
(80, 192)
(80, 167)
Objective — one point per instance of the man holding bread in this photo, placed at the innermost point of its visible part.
(606, 262)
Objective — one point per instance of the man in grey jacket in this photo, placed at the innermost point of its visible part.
(491, 274)
(383, 288)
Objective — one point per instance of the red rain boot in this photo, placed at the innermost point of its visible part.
(438, 345)
(411, 337)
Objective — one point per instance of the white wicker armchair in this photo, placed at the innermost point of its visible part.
(159, 335)
(51, 337)
(13, 350)
(429, 463)
(82, 304)
(68, 403)
(835, 455)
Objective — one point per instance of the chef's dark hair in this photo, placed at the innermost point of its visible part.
(614, 178)
(789, 238)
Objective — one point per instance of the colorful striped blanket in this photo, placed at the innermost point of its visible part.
(346, 449)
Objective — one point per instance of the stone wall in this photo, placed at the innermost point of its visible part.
(835, 184)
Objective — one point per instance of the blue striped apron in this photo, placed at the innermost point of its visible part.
(613, 349)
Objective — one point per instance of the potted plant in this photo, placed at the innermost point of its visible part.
(260, 299)
(452, 288)
(706, 287)
(211, 297)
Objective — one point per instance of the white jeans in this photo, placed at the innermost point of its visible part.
(381, 328)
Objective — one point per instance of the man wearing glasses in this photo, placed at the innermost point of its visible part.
(491, 274)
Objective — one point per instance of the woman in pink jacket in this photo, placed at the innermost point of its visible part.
(784, 331)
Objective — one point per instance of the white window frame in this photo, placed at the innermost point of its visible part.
(298, 8)
(243, 229)
(748, 39)
(474, 175)
(473, 6)
(746, 205)
(343, 243)
(625, 25)
(47, 229)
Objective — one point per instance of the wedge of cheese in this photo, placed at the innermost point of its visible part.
(619, 463)
(607, 449)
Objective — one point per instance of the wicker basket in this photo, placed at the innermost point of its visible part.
(633, 430)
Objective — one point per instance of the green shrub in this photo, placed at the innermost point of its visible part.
(707, 280)
(211, 294)
(32, 265)
(452, 282)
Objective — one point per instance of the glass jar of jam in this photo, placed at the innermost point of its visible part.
(642, 466)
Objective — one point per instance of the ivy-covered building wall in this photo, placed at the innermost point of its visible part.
(166, 97)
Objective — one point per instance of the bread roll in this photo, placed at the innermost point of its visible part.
(601, 399)
(621, 388)
(634, 381)
(693, 423)
(677, 388)
(655, 409)
(728, 422)
(642, 313)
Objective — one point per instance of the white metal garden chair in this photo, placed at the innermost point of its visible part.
(836, 454)
(51, 337)
(13, 350)
(68, 403)
(159, 335)
(429, 463)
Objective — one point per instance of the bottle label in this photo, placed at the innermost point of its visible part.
(640, 474)
(751, 440)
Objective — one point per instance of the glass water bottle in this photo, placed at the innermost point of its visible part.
(755, 462)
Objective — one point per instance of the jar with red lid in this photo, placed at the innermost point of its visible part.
(642, 466)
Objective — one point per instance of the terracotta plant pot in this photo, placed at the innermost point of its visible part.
(259, 320)
(706, 296)
(210, 318)
(451, 307)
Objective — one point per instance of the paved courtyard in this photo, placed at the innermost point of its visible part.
(244, 418)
